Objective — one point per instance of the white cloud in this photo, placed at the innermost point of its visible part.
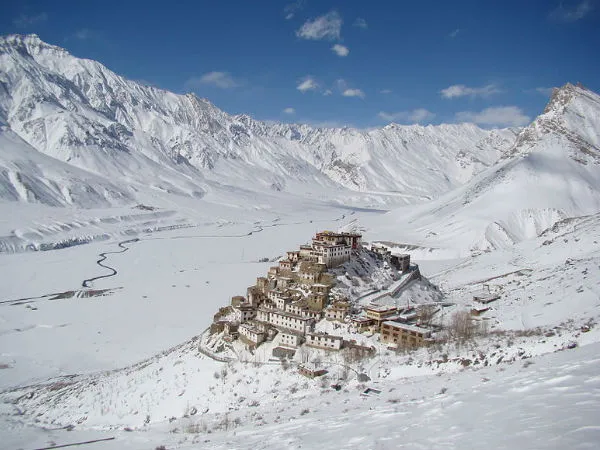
(573, 14)
(501, 116)
(460, 90)
(353, 93)
(327, 92)
(308, 83)
(385, 91)
(289, 111)
(84, 34)
(291, 9)
(328, 26)
(360, 23)
(454, 33)
(340, 50)
(24, 21)
(419, 115)
(547, 91)
(222, 80)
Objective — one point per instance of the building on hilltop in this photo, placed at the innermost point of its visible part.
(262, 284)
(286, 265)
(251, 335)
(362, 323)
(282, 319)
(255, 296)
(324, 340)
(290, 339)
(400, 262)
(338, 311)
(351, 239)
(381, 251)
(404, 335)
(244, 312)
(379, 313)
(311, 370)
(332, 255)
(237, 300)
(317, 301)
(293, 256)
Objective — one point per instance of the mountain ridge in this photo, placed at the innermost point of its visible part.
(80, 112)
(551, 173)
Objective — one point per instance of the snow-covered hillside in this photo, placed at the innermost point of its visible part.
(182, 206)
(81, 113)
(551, 173)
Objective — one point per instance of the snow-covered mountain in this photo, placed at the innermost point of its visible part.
(82, 114)
(551, 173)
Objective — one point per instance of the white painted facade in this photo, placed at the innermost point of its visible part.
(290, 339)
(323, 340)
(243, 313)
(251, 333)
(290, 321)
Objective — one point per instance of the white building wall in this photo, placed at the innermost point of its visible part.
(291, 340)
(293, 323)
(251, 334)
(262, 315)
(324, 341)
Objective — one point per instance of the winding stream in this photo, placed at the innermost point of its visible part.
(103, 256)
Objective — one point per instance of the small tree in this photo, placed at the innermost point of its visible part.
(461, 326)
(425, 314)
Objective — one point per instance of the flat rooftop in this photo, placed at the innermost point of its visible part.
(407, 327)
(381, 308)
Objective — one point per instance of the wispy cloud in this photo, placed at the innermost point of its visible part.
(25, 21)
(353, 93)
(289, 111)
(419, 115)
(460, 90)
(83, 34)
(360, 23)
(327, 92)
(547, 91)
(385, 91)
(571, 13)
(501, 116)
(222, 80)
(454, 33)
(340, 50)
(307, 83)
(291, 9)
(328, 26)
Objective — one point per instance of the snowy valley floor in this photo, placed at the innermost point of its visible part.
(521, 388)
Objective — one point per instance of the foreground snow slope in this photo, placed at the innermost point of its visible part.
(550, 401)
(551, 173)
(83, 114)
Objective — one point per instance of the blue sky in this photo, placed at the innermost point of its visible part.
(359, 63)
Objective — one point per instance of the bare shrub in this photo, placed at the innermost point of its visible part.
(461, 326)
(425, 314)
(324, 381)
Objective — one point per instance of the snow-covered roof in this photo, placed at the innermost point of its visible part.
(326, 335)
(407, 327)
(380, 308)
